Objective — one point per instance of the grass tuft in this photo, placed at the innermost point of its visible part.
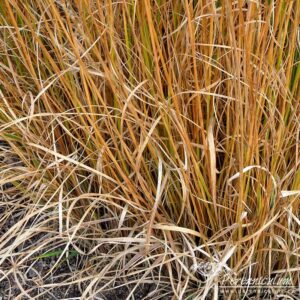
(146, 138)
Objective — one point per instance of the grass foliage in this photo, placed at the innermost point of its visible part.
(146, 137)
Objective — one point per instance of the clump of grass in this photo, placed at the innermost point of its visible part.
(148, 137)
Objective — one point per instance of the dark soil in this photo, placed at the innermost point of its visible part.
(31, 273)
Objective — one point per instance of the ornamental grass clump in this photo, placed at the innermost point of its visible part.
(141, 140)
